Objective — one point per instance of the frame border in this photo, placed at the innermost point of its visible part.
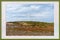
(28, 0)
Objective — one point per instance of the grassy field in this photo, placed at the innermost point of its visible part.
(29, 28)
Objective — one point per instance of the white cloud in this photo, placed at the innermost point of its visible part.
(35, 12)
(21, 8)
(43, 14)
(34, 7)
(13, 7)
(20, 15)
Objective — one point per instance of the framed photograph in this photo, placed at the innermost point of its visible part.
(30, 20)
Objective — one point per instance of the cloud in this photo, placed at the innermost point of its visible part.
(43, 14)
(29, 12)
(35, 7)
(22, 8)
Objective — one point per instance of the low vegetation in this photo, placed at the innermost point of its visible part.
(29, 28)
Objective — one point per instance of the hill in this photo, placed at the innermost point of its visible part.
(29, 28)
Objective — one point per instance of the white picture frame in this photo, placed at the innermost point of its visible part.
(56, 21)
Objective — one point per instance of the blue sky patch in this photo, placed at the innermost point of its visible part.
(30, 12)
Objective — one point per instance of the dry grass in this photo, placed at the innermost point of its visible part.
(29, 28)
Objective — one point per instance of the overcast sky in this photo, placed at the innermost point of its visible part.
(30, 12)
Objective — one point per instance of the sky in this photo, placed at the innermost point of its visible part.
(30, 12)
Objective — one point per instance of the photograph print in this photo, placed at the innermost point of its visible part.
(30, 18)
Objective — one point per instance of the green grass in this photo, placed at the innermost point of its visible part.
(33, 23)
